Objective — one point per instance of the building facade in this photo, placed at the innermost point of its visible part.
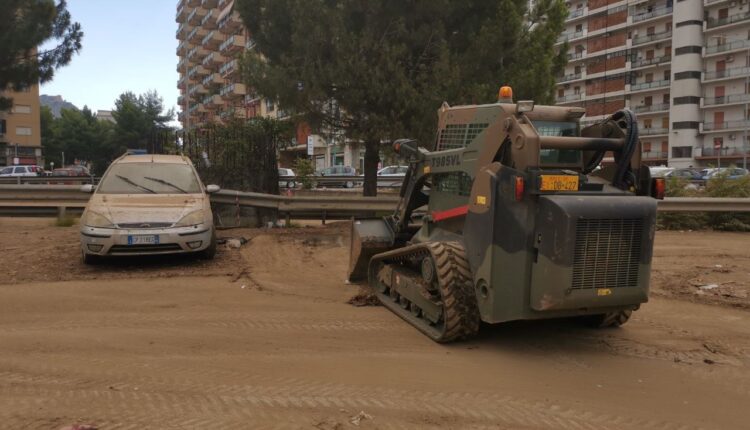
(681, 66)
(20, 135)
(211, 37)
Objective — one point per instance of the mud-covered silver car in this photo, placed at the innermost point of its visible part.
(148, 204)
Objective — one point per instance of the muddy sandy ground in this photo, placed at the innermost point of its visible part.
(262, 337)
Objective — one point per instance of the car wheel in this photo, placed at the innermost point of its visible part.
(210, 252)
(291, 184)
(349, 184)
(89, 259)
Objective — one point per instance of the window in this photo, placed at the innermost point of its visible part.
(6, 171)
(560, 93)
(665, 123)
(649, 77)
(269, 105)
(646, 123)
(21, 109)
(20, 169)
(647, 147)
(665, 99)
(579, 28)
(454, 182)
(648, 100)
(718, 142)
(666, 74)
(23, 131)
(682, 151)
(576, 90)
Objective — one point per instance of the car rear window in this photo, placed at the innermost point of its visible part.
(149, 178)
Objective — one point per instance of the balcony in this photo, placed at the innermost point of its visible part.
(570, 77)
(181, 66)
(661, 107)
(230, 23)
(228, 69)
(730, 46)
(182, 31)
(212, 40)
(182, 13)
(213, 61)
(570, 35)
(742, 72)
(233, 44)
(197, 15)
(197, 71)
(197, 35)
(233, 91)
(575, 13)
(650, 85)
(731, 19)
(568, 98)
(642, 62)
(639, 40)
(652, 131)
(213, 101)
(654, 155)
(214, 79)
(197, 89)
(726, 100)
(653, 14)
(208, 4)
(576, 55)
(209, 21)
(726, 125)
(233, 113)
(197, 54)
(710, 152)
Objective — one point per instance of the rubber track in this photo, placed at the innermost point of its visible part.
(455, 283)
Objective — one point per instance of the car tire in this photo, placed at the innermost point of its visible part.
(291, 184)
(89, 259)
(210, 252)
(349, 184)
(608, 320)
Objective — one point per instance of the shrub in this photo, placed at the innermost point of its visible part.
(305, 170)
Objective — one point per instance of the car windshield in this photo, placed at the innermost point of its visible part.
(149, 178)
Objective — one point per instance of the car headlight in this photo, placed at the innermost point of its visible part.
(95, 219)
(193, 218)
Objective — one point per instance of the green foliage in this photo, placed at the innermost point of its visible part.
(720, 186)
(305, 171)
(66, 221)
(26, 26)
(140, 119)
(80, 135)
(379, 70)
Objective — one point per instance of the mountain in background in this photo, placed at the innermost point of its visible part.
(56, 104)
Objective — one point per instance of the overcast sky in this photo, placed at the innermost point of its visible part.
(127, 45)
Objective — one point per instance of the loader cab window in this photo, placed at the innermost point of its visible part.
(558, 157)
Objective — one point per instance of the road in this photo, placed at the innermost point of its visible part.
(263, 338)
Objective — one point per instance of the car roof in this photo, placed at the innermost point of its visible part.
(153, 158)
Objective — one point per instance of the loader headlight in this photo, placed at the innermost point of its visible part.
(95, 219)
(193, 218)
(524, 106)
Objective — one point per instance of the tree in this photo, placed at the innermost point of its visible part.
(378, 70)
(141, 121)
(26, 26)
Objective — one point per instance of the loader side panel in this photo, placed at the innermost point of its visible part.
(591, 252)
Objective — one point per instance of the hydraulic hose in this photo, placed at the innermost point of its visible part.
(622, 158)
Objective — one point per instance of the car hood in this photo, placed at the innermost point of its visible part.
(145, 208)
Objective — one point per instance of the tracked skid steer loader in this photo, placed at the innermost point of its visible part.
(518, 213)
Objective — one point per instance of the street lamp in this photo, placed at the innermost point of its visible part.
(747, 86)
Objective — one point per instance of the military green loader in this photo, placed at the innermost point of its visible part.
(513, 217)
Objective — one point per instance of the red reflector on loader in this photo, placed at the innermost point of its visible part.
(660, 188)
(450, 213)
(519, 188)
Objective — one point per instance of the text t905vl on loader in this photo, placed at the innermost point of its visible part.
(517, 224)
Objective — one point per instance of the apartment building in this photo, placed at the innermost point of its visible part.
(211, 36)
(681, 66)
(20, 136)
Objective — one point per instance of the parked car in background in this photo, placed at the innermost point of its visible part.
(148, 204)
(392, 176)
(728, 172)
(290, 180)
(689, 174)
(336, 171)
(13, 171)
(660, 171)
(71, 171)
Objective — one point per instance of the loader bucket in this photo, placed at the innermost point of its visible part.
(369, 237)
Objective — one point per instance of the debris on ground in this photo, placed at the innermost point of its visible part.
(80, 427)
(232, 242)
(364, 299)
(362, 415)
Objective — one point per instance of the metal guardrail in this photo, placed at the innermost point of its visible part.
(49, 180)
(343, 181)
(47, 199)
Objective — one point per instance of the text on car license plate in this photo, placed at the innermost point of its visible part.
(144, 239)
(559, 183)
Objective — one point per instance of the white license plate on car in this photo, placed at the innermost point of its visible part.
(143, 239)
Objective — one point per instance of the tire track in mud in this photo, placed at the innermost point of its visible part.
(289, 400)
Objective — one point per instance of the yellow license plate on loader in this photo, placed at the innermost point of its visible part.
(559, 183)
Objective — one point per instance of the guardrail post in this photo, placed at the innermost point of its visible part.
(288, 219)
(61, 213)
(324, 217)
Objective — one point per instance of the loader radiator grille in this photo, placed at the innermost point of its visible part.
(607, 253)
(455, 136)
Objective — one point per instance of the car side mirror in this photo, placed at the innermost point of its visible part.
(210, 189)
(88, 188)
